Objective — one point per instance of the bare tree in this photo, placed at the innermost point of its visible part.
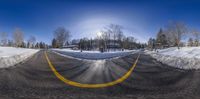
(31, 41)
(3, 39)
(106, 38)
(113, 32)
(18, 37)
(62, 36)
(175, 32)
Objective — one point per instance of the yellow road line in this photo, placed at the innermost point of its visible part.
(76, 84)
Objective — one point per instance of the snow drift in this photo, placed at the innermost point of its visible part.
(93, 55)
(9, 56)
(184, 58)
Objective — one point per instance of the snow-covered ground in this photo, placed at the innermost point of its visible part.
(9, 56)
(184, 58)
(93, 55)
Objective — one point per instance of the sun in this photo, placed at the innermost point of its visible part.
(99, 34)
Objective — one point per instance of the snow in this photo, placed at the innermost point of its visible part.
(184, 58)
(92, 55)
(9, 56)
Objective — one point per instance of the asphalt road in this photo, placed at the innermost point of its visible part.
(150, 79)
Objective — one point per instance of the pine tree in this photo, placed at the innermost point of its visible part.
(54, 43)
(161, 39)
(28, 45)
(196, 42)
(152, 43)
(190, 42)
(37, 45)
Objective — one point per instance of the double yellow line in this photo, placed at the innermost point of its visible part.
(76, 84)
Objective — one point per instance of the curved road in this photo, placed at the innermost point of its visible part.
(150, 79)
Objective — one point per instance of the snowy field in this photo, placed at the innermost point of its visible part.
(184, 58)
(9, 56)
(93, 55)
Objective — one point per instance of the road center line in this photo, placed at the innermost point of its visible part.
(76, 84)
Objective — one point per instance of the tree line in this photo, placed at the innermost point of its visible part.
(175, 34)
(111, 37)
(18, 40)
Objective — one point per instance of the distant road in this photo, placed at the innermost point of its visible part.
(150, 79)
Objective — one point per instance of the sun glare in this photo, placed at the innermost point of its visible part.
(99, 34)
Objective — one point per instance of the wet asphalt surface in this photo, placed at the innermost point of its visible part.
(33, 79)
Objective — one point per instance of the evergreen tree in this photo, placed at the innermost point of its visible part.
(54, 43)
(161, 39)
(196, 42)
(23, 45)
(37, 45)
(190, 42)
(41, 45)
(152, 43)
(28, 45)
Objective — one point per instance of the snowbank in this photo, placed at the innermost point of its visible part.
(10, 56)
(93, 55)
(184, 58)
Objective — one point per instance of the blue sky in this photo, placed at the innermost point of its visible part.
(140, 18)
